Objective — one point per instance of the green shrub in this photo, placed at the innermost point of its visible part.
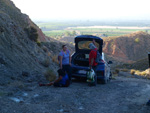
(38, 43)
(32, 33)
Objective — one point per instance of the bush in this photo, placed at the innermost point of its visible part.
(32, 33)
(50, 75)
(38, 43)
(117, 71)
(46, 62)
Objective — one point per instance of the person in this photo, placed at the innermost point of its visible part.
(92, 56)
(65, 61)
(92, 63)
(62, 81)
(148, 103)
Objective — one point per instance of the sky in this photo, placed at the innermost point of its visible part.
(85, 9)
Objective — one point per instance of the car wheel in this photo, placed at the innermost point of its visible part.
(106, 79)
(110, 76)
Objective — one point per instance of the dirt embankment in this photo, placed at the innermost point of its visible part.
(121, 95)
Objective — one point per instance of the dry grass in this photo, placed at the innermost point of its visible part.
(132, 71)
(116, 71)
(140, 73)
(50, 75)
(55, 59)
(124, 70)
(49, 54)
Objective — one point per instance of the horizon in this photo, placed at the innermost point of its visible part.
(85, 10)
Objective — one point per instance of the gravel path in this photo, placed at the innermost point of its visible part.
(121, 95)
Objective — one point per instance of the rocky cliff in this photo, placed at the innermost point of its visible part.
(128, 48)
(19, 52)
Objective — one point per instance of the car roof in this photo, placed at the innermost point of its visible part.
(88, 36)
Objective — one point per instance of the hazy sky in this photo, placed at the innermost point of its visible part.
(85, 9)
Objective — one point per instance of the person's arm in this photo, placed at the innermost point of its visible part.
(94, 42)
(57, 80)
(60, 62)
(70, 59)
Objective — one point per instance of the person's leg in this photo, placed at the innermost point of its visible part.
(67, 69)
(148, 103)
(95, 77)
(57, 84)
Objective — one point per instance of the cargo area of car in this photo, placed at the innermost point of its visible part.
(81, 60)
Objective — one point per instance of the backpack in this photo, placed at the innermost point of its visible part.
(98, 57)
(63, 55)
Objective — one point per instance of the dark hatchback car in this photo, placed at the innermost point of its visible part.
(80, 59)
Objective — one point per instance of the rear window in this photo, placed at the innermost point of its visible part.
(85, 45)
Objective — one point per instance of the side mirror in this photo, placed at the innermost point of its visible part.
(110, 62)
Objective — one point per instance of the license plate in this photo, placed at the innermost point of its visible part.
(82, 71)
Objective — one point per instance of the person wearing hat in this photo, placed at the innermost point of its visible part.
(92, 56)
(62, 81)
(92, 63)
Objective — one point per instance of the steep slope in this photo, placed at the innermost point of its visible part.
(19, 53)
(128, 48)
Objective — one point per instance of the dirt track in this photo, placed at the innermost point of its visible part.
(121, 95)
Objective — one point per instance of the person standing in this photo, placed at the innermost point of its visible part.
(92, 56)
(65, 60)
(92, 63)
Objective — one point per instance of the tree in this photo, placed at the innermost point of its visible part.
(73, 33)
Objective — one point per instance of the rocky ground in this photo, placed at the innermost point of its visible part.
(121, 95)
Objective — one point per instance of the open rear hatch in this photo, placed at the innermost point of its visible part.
(80, 59)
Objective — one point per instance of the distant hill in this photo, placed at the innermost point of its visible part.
(128, 48)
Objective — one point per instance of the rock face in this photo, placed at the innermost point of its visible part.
(128, 48)
(18, 53)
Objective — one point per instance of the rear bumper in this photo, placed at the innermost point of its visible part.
(80, 71)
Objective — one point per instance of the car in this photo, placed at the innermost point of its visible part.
(80, 59)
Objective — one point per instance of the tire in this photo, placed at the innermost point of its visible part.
(110, 76)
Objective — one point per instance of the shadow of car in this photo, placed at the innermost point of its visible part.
(80, 59)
